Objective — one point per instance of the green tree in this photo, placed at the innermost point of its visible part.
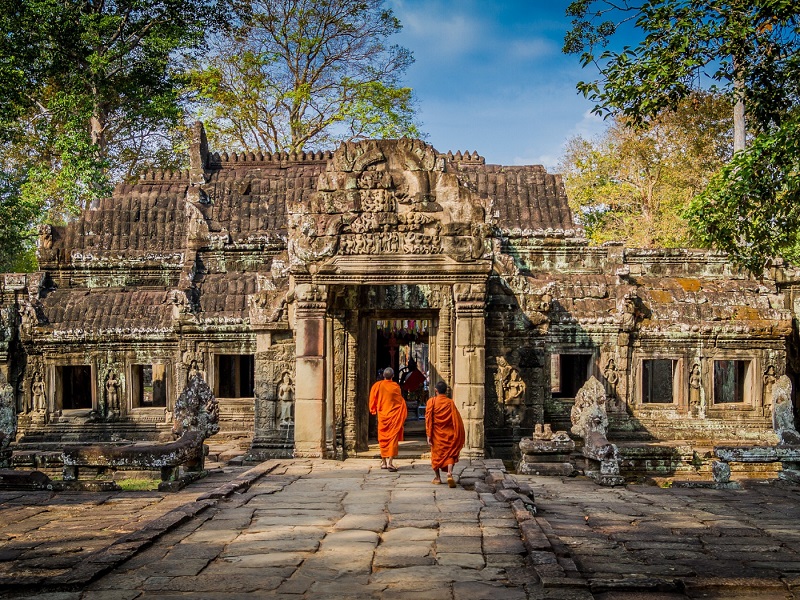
(302, 74)
(632, 184)
(88, 95)
(747, 50)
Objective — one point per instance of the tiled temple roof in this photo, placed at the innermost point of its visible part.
(104, 310)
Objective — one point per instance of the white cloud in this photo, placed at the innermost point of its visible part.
(533, 48)
(589, 126)
(435, 28)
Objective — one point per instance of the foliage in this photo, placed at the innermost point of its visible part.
(301, 74)
(632, 184)
(86, 85)
(743, 49)
(751, 209)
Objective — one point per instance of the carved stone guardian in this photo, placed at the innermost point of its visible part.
(286, 399)
(590, 421)
(8, 421)
(510, 390)
(695, 383)
(783, 412)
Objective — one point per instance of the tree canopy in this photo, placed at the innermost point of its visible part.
(746, 50)
(302, 74)
(632, 184)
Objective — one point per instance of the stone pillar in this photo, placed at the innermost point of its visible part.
(310, 392)
(469, 375)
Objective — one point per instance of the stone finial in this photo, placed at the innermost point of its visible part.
(196, 409)
(198, 153)
(783, 412)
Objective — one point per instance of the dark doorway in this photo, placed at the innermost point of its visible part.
(76, 387)
(235, 375)
(404, 345)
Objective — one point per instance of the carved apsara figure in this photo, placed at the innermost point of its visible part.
(286, 399)
(769, 382)
(112, 394)
(38, 397)
(612, 379)
(695, 381)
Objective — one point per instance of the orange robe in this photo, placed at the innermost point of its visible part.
(445, 429)
(386, 401)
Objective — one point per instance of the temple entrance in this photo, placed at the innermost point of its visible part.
(404, 345)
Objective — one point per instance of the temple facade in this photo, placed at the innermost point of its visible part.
(289, 281)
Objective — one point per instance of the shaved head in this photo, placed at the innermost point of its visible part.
(388, 373)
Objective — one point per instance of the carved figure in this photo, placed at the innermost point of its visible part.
(512, 386)
(196, 409)
(783, 412)
(45, 237)
(769, 381)
(590, 421)
(612, 379)
(628, 316)
(8, 421)
(27, 312)
(112, 395)
(695, 381)
(38, 397)
(286, 399)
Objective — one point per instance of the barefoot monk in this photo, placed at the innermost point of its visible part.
(386, 400)
(445, 431)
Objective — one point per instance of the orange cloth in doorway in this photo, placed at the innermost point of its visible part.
(386, 401)
(445, 430)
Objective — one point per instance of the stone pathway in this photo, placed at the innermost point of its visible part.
(675, 543)
(326, 529)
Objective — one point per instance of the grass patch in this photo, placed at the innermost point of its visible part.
(138, 485)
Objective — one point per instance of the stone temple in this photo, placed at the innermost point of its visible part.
(288, 281)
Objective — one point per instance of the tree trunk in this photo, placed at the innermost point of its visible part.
(739, 125)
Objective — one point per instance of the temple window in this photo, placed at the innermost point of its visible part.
(149, 386)
(659, 381)
(732, 381)
(235, 375)
(76, 387)
(568, 373)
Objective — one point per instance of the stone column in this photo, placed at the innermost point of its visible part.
(469, 376)
(309, 418)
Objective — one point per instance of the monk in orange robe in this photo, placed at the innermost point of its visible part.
(445, 431)
(386, 400)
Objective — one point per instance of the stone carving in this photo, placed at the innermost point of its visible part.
(510, 389)
(720, 472)
(7, 323)
(112, 396)
(286, 399)
(38, 396)
(783, 412)
(28, 314)
(8, 421)
(695, 382)
(612, 380)
(384, 197)
(590, 421)
(769, 382)
(196, 409)
(547, 453)
(45, 237)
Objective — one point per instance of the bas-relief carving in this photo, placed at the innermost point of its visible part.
(769, 379)
(286, 400)
(386, 200)
(695, 394)
(38, 394)
(274, 391)
(510, 391)
(783, 412)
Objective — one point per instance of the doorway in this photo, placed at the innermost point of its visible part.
(405, 346)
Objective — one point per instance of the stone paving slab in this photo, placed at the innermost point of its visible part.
(664, 543)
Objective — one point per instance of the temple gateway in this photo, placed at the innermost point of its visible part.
(289, 281)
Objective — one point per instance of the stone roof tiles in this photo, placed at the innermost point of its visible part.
(103, 310)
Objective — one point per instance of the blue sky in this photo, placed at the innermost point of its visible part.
(490, 76)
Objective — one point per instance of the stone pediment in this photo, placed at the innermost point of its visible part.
(387, 198)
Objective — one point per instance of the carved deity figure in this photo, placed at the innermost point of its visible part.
(590, 421)
(628, 315)
(510, 391)
(286, 399)
(695, 382)
(612, 380)
(783, 412)
(769, 382)
(112, 395)
(38, 397)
